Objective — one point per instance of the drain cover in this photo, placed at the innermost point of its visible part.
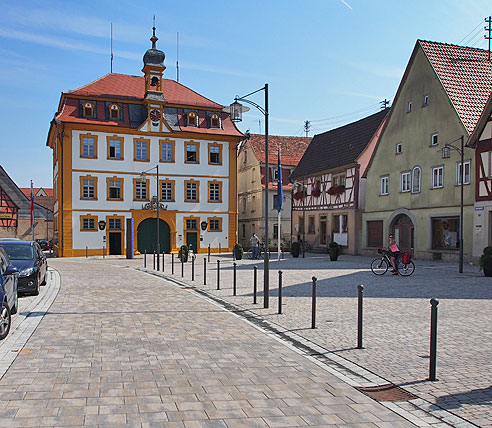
(389, 392)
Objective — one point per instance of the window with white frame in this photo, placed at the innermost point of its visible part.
(416, 174)
(191, 192)
(214, 191)
(89, 223)
(141, 150)
(463, 172)
(114, 148)
(434, 139)
(167, 152)
(214, 225)
(437, 177)
(384, 185)
(114, 224)
(88, 188)
(405, 181)
(167, 191)
(114, 191)
(88, 147)
(141, 190)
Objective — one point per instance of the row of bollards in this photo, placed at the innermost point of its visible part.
(360, 297)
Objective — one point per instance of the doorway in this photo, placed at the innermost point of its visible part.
(114, 243)
(147, 233)
(322, 232)
(192, 241)
(403, 229)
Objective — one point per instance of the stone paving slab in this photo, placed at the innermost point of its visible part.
(396, 316)
(125, 348)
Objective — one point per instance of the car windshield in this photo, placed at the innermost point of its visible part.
(18, 252)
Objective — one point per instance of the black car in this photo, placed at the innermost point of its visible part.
(43, 243)
(8, 293)
(31, 262)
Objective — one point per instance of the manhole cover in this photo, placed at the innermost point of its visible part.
(389, 392)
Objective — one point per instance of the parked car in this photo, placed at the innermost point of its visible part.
(31, 262)
(8, 293)
(43, 243)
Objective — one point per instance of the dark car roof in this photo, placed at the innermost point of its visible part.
(15, 242)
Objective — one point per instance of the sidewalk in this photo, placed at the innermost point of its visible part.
(396, 320)
(119, 347)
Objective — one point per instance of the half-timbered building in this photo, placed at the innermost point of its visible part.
(328, 193)
(15, 213)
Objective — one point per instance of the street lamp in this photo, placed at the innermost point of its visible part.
(142, 178)
(236, 110)
(446, 154)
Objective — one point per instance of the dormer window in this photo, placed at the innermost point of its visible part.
(214, 121)
(192, 118)
(88, 109)
(114, 111)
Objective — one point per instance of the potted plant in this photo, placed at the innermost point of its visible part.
(183, 254)
(238, 251)
(486, 261)
(295, 249)
(333, 251)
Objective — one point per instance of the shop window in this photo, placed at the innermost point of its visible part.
(445, 233)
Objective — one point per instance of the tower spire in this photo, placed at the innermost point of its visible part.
(153, 39)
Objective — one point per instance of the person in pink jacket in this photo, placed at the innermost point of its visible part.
(394, 253)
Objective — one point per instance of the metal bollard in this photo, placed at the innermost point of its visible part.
(86, 252)
(193, 268)
(163, 261)
(313, 304)
(359, 316)
(234, 280)
(158, 260)
(104, 251)
(204, 271)
(182, 267)
(153, 264)
(233, 255)
(218, 274)
(433, 340)
(255, 277)
(172, 263)
(145, 258)
(209, 253)
(219, 248)
(279, 291)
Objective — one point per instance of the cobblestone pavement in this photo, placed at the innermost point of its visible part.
(120, 347)
(396, 320)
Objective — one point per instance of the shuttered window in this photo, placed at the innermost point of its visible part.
(375, 233)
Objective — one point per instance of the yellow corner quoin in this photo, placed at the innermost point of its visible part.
(148, 125)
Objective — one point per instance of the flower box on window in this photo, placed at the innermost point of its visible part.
(316, 193)
(336, 190)
(298, 196)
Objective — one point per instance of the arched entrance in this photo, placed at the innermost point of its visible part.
(402, 227)
(146, 236)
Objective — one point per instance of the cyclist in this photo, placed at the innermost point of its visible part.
(394, 253)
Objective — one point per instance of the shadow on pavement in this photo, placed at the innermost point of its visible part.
(475, 396)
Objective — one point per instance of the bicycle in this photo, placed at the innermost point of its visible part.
(260, 255)
(380, 266)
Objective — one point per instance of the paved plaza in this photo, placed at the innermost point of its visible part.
(110, 343)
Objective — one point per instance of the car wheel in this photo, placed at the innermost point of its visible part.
(44, 280)
(5, 321)
(36, 291)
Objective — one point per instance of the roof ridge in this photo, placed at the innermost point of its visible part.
(195, 92)
(281, 136)
(452, 44)
(353, 123)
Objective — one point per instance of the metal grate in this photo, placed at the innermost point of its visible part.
(389, 392)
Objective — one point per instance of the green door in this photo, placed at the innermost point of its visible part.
(191, 241)
(147, 236)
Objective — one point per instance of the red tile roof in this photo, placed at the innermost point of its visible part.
(27, 191)
(466, 75)
(133, 87)
(292, 148)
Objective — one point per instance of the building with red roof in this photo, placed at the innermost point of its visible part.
(107, 133)
(415, 175)
(251, 184)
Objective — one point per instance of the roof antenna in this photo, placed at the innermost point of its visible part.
(177, 57)
(153, 38)
(489, 30)
(111, 47)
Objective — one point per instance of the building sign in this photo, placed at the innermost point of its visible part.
(6, 215)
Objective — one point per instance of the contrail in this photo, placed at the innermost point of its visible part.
(346, 4)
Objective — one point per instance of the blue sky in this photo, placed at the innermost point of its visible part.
(328, 61)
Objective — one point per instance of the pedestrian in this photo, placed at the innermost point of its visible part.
(394, 253)
(255, 243)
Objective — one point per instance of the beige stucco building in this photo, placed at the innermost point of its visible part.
(414, 177)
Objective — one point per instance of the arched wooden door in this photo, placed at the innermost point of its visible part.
(146, 236)
(403, 230)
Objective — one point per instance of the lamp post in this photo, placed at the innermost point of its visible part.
(236, 109)
(158, 243)
(461, 174)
